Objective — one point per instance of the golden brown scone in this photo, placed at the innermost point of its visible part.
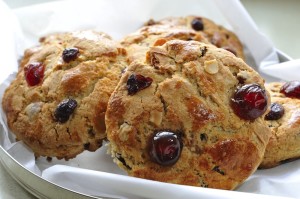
(172, 119)
(215, 34)
(138, 43)
(57, 102)
(284, 121)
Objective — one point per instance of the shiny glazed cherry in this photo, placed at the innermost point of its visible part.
(165, 147)
(291, 89)
(249, 102)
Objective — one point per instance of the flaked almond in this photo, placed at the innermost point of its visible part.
(211, 66)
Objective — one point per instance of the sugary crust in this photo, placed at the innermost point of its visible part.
(284, 144)
(220, 150)
(215, 34)
(89, 79)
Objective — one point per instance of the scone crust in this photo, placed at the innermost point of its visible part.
(220, 150)
(89, 79)
(215, 34)
(284, 144)
(138, 43)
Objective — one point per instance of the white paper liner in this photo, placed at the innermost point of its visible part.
(95, 173)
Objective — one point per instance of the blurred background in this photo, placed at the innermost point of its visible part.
(277, 19)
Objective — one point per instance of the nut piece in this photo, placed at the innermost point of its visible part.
(125, 129)
(156, 117)
(211, 66)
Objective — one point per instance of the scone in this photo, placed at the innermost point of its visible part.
(57, 102)
(138, 43)
(192, 114)
(215, 34)
(284, 121)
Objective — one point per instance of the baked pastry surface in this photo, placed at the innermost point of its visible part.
(57, 102)
(170, 118)
(284, 144)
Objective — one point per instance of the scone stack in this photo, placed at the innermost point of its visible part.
(175, 100)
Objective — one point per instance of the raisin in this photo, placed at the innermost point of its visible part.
(276, 112)
(64, 110)
(137, 82)
(197, 24)
(70, 54)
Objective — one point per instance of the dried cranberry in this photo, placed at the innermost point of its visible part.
(70, 54)
(197, 24)
(276, 112)
(291, 89)
(165, 148)
(137, 82)
(64, 110)
(34, 73)
(249, 102)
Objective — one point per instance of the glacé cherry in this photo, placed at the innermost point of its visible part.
(291, 89)
(249, 101)
(165, 147)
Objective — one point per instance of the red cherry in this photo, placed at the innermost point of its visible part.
(165, 148)
(291, 89)
(249, 102)
(34, 73)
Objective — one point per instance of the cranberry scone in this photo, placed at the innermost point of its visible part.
(57, 103)
(284, 121)
(192, 114)
(215, 34)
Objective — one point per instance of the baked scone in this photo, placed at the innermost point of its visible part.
(138, 43)
(215, 34)
(57, 102)
(192, 114)
(284, 121)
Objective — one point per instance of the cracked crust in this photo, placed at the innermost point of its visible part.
(138, 43)
(215, 34)
(284, 144)
(219, 149)
(90, 80)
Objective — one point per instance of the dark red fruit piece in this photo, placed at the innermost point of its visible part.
(276, 112)
(64, 110)
(34, 73)
(249, 102)
(165, 148)
(197, 24)
(230, 50)
(70, 54)
(137, 82)
(291, 89)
